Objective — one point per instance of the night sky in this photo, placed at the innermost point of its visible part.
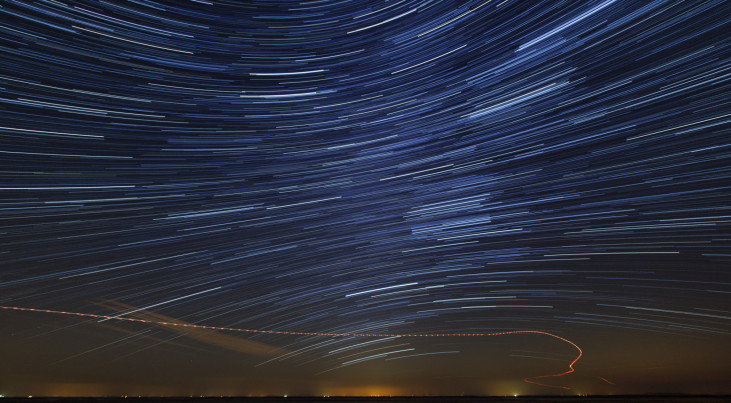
(379, 171)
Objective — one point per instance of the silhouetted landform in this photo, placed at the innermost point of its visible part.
(670, 398)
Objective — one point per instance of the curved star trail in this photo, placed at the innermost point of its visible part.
(370, 167)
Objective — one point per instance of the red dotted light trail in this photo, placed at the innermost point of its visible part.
(531, 379)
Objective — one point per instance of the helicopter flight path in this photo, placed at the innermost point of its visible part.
(531, 379)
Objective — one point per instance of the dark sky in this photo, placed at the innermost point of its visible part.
(372, 167)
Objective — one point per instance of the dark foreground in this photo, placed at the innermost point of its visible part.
(442, 399)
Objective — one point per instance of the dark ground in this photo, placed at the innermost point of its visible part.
(443, 399)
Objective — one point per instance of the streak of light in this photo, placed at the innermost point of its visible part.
(531, 379)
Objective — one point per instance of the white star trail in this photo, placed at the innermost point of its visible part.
(326, 169)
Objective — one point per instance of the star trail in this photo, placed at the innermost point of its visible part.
(227, 196)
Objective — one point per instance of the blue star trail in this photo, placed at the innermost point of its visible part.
(368, 167)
